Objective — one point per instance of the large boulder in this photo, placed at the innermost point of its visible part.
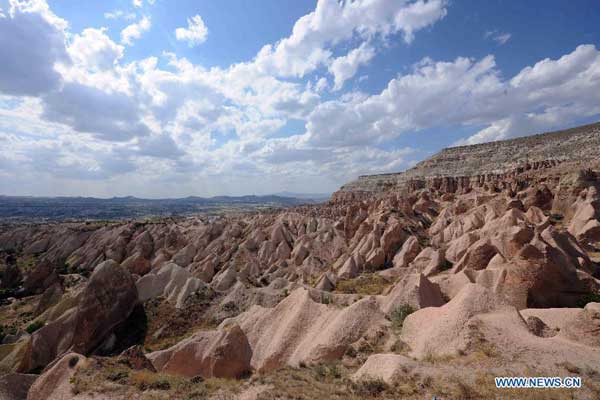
(223, 353)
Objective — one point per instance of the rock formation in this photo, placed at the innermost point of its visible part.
(494, 248)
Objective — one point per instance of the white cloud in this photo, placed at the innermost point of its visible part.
(466, 92)
(135, 30)
(83, 114)
(120, 14)
(499, 37)
(32, 42)
(503, 38)
(344, 68)
(195, 33)
(136, 3)
(94, 49)
(332, 22)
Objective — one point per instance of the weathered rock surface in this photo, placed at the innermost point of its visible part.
(106, 301)
(15, 386)
(224, 353)
(300, 330)
(54, 383)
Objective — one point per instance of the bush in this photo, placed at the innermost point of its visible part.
(34, 326)
(323, 371)
(146, 380)
(370, 387)
(399, 314)
(588, 298)
(7, 330)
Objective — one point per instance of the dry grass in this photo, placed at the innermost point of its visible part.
(108, 376)
(365, 284)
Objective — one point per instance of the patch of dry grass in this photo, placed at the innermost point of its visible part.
(365, 284)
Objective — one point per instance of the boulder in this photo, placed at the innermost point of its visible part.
(388, 367)
(223, 353)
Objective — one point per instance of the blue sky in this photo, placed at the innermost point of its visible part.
(165, 99)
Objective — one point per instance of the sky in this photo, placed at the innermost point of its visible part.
(164, 98)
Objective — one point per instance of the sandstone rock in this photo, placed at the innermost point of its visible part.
(350, 269)
(414, 289)
(135, 358)
(387, 367)
(584, 327)
(442, 331)
(171, 281)
(300, 329)
(107, 300)
(224, 353)
(15, 386)
(477, 256)
(409, 251)
(54, 383)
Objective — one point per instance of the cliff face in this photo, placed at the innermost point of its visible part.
(455, 167)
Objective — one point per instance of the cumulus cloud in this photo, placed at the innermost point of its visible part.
(195, 33)
(465, 92)
(332, 22)
(94, 49)
(108, 116)
(135, 30)
(82, 110)
(32, 41)
(344, 68)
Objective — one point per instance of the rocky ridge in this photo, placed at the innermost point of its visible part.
(493, 160)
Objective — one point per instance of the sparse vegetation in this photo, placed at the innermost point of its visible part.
(34, 326)
(371, 387)
(399, 314)
(588, 298)
(365, 284)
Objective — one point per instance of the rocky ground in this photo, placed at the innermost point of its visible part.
(410, 292)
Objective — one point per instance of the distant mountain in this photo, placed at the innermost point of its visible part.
(308, 196)
(27, 208)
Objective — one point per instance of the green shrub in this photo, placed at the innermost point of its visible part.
(588, 298)
(34, 326)
(399, 314)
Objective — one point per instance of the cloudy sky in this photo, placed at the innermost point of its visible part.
(164, 98)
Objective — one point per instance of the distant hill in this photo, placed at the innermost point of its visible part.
(26, 208)
(308, 196)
